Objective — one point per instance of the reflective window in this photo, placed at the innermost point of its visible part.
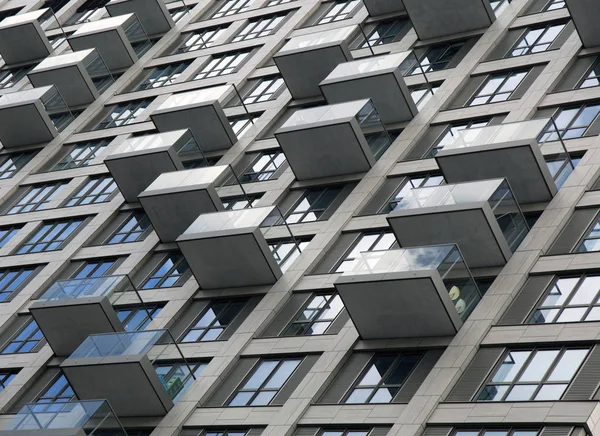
(136, 318)
(51, 236)
(421, 94)
(6, 376)
(90, 10)
(260, 27)
(226, 63)
(570, 299)
(232, 7)
(201, 39)
(267, 378)
(37, 197)
(378, 241)
(81, 155)
(242, 202)
(436, 58)
(316, 316)
(496, 432)
(25, 341)
(498, 6)
(57, 392)
(533, 375)
(263, 167)
(536, 40)
(286, 251)
(94, 268)
(382, 379)
(135, 228)
(267, 88)
(571, 123)
(178, 13)
(498, 87)
(339, 10)
(383, 32)
(162, 76)
(96, 190)
(213, 321)
(7, 233)
(591, 242)
(177, 377)
(313, 204)
(123, 114)
(413, 182)
(9, 77)
(555, 4)
(453, 130)
(13, 162)
(13, 279)
(592, 78)
(240, 125)
(344, 432)
(278, 2)
(169, 273)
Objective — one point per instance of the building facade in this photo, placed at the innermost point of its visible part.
(300, 217)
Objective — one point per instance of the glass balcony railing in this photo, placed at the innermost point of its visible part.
(91, 416)
(86, 288)
(118, 344)
(445, 259)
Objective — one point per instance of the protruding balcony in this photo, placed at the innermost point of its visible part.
(334, 140)
(508, 151)
(382, 7)
(407, 293)
(585, 15)
(153, 14)
(441, 18)
(22, 39)
(116, 366)
(306, 60)
(200, 111)
(75, 418)
(33, 116)
(80, 76)
(174, 200)
(378, 78)
(112, 37)
(483, 218)
(138, 161)
(71, 310)
(228, 249)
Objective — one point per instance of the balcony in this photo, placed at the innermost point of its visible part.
(153, 14)
(174, 200)
(117, 367)
(382, 7)
(33, 116)
(138, 161)
(305, 61)
(408, 293)
(585, 15)
(228, 249)
(378, 78)
(84, 303)
(22, 39)
(112, 37)
(200, 111)
(333, 140)
(442, 18)
(482, 218)
(76, 418)
(508, 151)
(80, 76)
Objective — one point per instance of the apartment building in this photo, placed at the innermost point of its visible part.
(299, 217)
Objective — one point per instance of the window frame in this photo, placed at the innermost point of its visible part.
(201, 39)
(89, 150)
(549, 134)
(97, 190)
(322, 193)
(237, 7)
(380, 236)
(178, 263)
(307, 324)
(224, 64)
(332, 14)
(7, 288)
(260, 27)
(530, 48)
(161, 75)
(132, 109)
(491, 97)
(212, 325)
(35, 335)
(36, 197)
(267, 171)
(142, 231)
(37, 236)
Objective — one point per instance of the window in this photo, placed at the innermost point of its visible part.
(51, 236)
(213, 321)
(95, 268)
(226, 63)
(25, 341)
(178, 13)
(591, 241)
(220, 431)
(536, 40)
(267, 88)
(9, 77)
(242, 124)
(123, 114)
(134, 229)
(498, 6)
(201, 39)
(13, 280)
(436, 58)
(384, 32)
(162, 76)
(592, 78)
(498, 87)
(346, 432)
(7, 233)
(422, 93)
(316, 316)
(561, 167)
(384, 240)
(382, 378)
(176, 376)
(313, 204)
(232, 7)
(259, 27)
(496, 432)
(9, 13)
(570, 299)
(169, 273)
(555, 4)
(91, 10)
(412, 182)
(201, 162)
(533, 375)
(267, 378)
(37, 197)
(571, 123)
(286, 251)
(454, 130)
(97, 190)
(278, 2)
(59, 391)
(81, 155)
(6, 376)
(11, 163)
(242, 202)
(263, 167)
(339, 10)
(136, 318)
